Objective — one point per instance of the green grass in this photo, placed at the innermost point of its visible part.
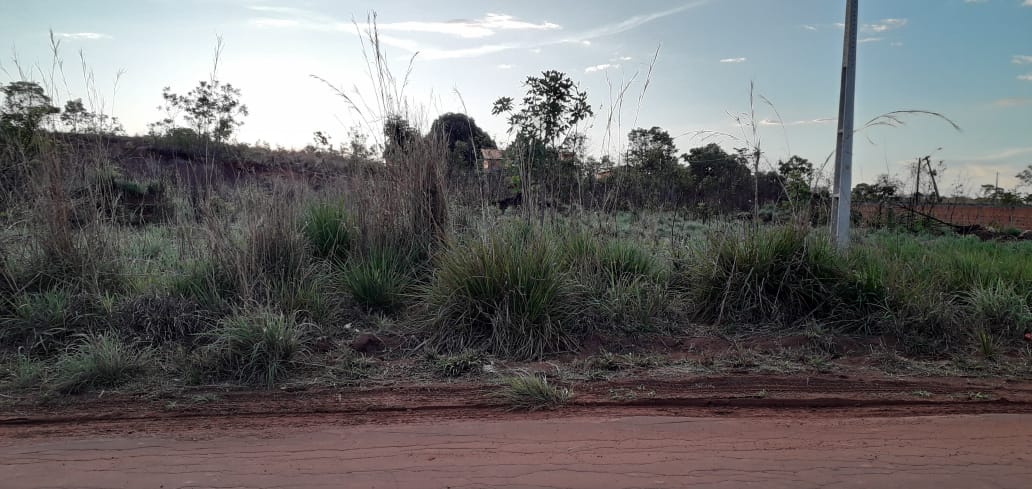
(457, 365)
(103, 360)
(329, 230)
(377, 279)
(255, 346)
(506, 293)
(532, 393)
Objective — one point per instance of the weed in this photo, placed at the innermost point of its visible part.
(986, 344)
(26, 372)
(1000, 307)
(103, 360)
(531, 393)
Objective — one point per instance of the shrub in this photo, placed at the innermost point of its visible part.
(634, 303)
(255, 346)
(329, 231)
(377, 280)
(104, 360)
(207, 282)
(506, 293)
(24, 372)
(531, 393)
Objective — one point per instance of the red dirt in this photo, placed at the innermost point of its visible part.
(726, 431)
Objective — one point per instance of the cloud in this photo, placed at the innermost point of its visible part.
(1004, 154)
(86, 36)
(601, 67)
(624, 58)
(486, 26)
(1011, 102)
(1021, 59)
(1027, 77)
(975, 1)
(535, 50)
(884, 25)
(810, 27)
(1027, 3)
(896, 44)
(489, 25)
(733, 60)
(504, 66)
(870, 39)
(631, 23)
(826, 120)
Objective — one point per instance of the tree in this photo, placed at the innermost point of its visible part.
(464, 139)
(399, 136)
(552, 106)
(77, 118)
(212, 109)
(1025, 177)
(796, 175)
(651, 151)
(722, 180)
(26, 106)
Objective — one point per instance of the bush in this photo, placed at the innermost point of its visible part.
(255, 347)
(329, 231)
(506, 293)
(104, 360)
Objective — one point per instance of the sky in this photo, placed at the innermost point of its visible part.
(687, 66)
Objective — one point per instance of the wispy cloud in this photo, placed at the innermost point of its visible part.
(975, 1)
(1011, 102)
(601, 67)
(504, 66)
(1027, 3)
(86, 36)
(733, 60)
(489, 25)
(870, 39)
(486, 26)
(1027, 77)
(810, 122)
(809, 27)
(896, 44)
(884, 25)
(631, 23)
(1021, 59)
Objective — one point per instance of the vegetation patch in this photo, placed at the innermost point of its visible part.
(532, 393)
(102, 360)
(256, 346)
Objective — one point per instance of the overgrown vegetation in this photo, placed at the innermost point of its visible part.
(223, 262)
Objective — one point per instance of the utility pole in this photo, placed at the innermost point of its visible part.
(843, 183)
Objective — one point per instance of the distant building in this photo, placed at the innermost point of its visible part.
(492, 160)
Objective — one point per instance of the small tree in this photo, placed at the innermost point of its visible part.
(26, 106)
(212, 109)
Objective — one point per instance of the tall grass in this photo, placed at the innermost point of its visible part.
(255, 346)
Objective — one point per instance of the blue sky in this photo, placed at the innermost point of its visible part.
(970, 60)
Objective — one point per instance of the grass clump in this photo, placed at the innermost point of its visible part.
(256, 346)
(25, 372)
(505, 293)
(780, 275)
(456, 365)
(532, 393)
(102, 360)
(377, 281)
(999, 307)
(329, 231)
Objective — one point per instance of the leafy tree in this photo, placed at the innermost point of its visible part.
(399, 136)
(796, 174)
(212, 109)
(1025, 177)
(78, 119)
(722, 179)
(464, 138)
(652, 151)
(552, 107)
(26, 106)
(883, 189)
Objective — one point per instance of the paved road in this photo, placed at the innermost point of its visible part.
(981, 451)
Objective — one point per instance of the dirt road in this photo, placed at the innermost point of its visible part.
(962, 451)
